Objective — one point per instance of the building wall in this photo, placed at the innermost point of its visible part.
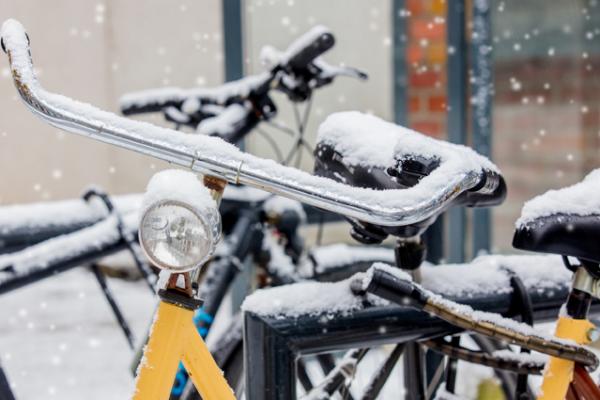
(426, 57)
(547, 103)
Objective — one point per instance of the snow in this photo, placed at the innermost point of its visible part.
(443, 394)
(176, 115)
(523, 359)
(65, 247)
(177, 185)
(346, 367)
(280, 264)
(59, 338)
(487, 274)
(278, 205)
(580, 199)
(196, 151)
(245, 194)
(21, 219)
(221, 94)
(353, 134)
(271, 57)
(225, 123)
(36, 216)
(333, 255)
(476, 315)
(307, 298)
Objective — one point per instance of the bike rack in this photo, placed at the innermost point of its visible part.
(19, 280)
(273, 345)
(125, 241)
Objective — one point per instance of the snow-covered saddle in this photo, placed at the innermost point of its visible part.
(565, 221)
(365, 151)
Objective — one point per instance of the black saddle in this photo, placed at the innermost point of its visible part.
(364, 151)
(558, 222)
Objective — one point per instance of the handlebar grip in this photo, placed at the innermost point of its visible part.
(131, 108)
(310, 50)
(490, 191)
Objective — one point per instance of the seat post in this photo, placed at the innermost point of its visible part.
(583, 288)
(410, 254)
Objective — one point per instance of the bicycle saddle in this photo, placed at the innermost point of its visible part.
(365, 151)
(564, 221)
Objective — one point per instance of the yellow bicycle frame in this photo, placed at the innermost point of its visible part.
(174, 338)
(559, 372)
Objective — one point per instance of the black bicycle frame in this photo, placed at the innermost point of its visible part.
(5, 390)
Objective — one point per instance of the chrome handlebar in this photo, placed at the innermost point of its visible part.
(211, 156)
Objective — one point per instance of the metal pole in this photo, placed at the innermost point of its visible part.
(481, 61)
(232, 39)
(457, 121)
(399, 62)
(434, 236)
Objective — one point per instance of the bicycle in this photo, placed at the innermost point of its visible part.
(307, 73)
(386, 215)
(389, 208)
(232, 110)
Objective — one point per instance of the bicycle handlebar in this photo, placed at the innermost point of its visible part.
(403, 291)
(214, 157)
(296, 58)
(155, 100)
(298, 65)
(308, 47)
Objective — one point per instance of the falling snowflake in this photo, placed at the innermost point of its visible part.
(515, 84)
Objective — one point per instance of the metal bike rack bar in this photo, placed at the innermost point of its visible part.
(93, 254)
(273, 344)
(457, 114)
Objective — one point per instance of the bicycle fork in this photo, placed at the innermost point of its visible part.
(174, 338)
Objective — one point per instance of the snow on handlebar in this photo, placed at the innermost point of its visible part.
(299, 54)
(212, 156)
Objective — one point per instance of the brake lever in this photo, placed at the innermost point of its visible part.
(329, 71)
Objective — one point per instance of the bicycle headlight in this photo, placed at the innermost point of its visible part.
(179, 235)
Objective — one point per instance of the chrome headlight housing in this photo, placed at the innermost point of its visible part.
(178, 237)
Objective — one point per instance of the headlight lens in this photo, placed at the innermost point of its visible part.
(177, 237)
